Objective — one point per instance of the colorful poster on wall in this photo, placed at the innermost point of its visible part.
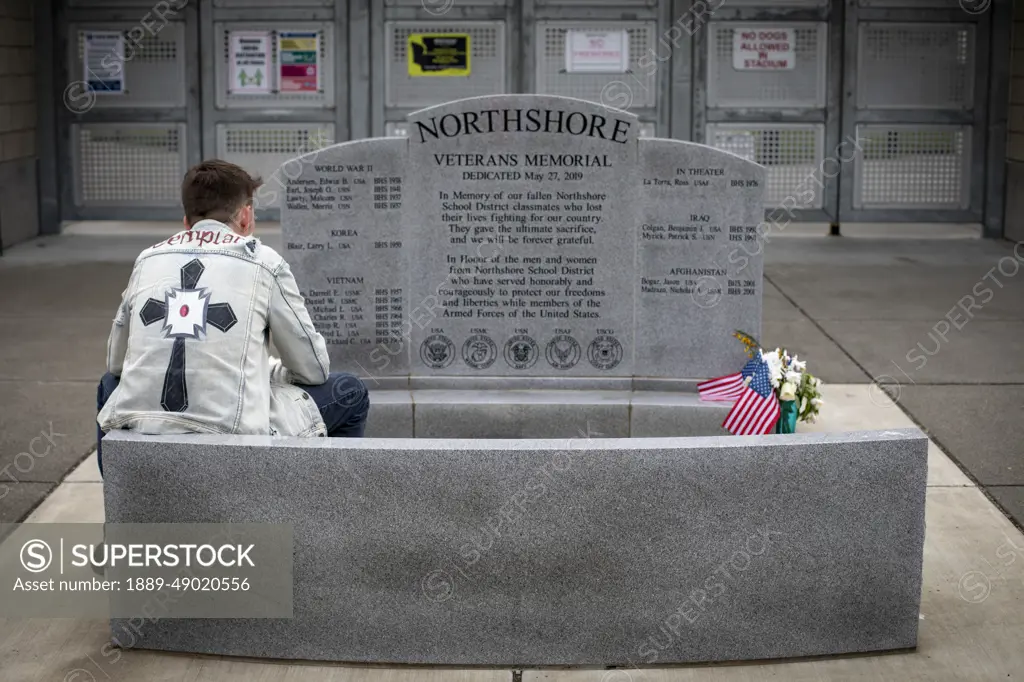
(596, 51)
(250, 63)
(103, 62)
(438, 54)
(298, 54)
(763, 49)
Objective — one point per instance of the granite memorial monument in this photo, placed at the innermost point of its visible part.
(527, 236)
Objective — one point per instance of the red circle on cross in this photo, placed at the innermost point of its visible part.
(184, 311)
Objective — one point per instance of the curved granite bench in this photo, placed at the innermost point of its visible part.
(553, 552)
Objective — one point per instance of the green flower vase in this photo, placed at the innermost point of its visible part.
(787, 419)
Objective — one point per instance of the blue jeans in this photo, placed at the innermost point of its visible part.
(342, 400)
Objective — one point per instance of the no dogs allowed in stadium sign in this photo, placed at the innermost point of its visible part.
(438, 54)
(763, 49)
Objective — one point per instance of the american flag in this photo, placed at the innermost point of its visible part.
(729, 387)
(757, 409)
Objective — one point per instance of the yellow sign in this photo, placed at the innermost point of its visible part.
(438, 54)
(298, 43)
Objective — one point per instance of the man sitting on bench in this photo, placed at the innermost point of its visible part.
(189, 351)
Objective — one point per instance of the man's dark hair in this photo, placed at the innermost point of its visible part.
(216, 190)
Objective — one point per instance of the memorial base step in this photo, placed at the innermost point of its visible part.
(537, 413)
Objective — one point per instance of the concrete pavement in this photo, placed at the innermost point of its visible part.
(938, 324)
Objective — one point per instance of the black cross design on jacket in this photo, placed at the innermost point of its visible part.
(185, 312)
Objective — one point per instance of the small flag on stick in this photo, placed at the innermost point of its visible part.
(757, 409)
(729, 387)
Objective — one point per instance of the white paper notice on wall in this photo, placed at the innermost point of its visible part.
(250, 63)
(596, 51)
(103, 62)
(763, 49)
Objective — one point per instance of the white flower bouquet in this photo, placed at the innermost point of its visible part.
(798, 391)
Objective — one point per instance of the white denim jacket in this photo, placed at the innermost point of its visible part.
(191, 341)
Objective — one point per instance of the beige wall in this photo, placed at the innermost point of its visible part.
(18, 194)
